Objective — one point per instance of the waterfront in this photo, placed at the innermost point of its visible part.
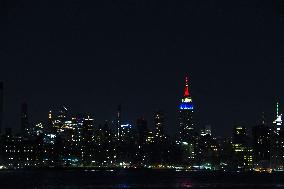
(73, 179)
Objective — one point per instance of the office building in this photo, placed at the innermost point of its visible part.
(159, 124)
(261, 143)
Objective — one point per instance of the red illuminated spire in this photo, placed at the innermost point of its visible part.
(186, 90)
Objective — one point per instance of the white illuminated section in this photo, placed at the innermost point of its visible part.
(278, 120)
(186, 100)
(52, 136)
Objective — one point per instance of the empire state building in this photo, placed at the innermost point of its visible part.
(186, 122)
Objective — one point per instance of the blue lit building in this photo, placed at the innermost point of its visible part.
(125, 132)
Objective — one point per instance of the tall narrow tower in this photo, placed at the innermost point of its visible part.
(186, 123)
(24, 119)
(277, 149)
(278, 121)
(118, 123)
(1, 103)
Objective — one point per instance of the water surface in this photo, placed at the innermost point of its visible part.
(85, 179)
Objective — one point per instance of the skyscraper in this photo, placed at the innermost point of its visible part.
(159, 124)
(186, 123)
(142, 130)
(239, 135)
(87, 140)
(50, 128)
(261, 142)
(88, 130)
(118, 123)
(126, 133)
(278, 121)
(1, 103)
(187, 136)
(242, 148)
(277, 141)
(24, 120)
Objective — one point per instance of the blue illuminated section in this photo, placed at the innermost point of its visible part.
(186, 106)
(126, 126)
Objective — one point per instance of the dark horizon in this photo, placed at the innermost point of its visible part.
(93, 56)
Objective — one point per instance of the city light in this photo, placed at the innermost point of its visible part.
(65, 140)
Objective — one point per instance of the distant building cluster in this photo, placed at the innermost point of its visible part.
(65, 140)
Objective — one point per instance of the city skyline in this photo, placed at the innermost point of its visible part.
(185, 105)
(171, 123)
(92, 56)
(67, 140)
(141, 94)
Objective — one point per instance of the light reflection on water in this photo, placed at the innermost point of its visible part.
(186, 184)
(124, 185)
(73, 179)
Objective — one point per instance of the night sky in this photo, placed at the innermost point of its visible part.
(93, 55)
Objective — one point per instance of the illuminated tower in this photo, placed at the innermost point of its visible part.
(278, 120)
(277, 148)
(118, 123)
(1, 104)
(186, 123)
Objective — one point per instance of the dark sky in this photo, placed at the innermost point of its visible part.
(93, 55)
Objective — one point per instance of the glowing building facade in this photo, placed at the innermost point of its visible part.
(278, 121)
(187, 136)
(186, 122)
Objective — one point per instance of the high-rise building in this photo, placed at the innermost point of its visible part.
(24, 120)
(126, 133)
(118, 123)
(87, 140)
(150, 137)
(142, 130)
(242, 148)
(62, 114)
(88, 130)
(1, 103)
(277, 141)
(159, 124)
(206, 131)
(239, 135)
(261, 143)
(186, 123)
(278, 121)
(50, 119)
(187, 137)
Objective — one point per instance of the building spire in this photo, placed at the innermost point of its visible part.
(263, 118)
(186, 90)
(277, 109)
